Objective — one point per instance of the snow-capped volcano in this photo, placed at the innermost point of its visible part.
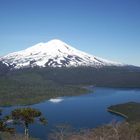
(54, 53)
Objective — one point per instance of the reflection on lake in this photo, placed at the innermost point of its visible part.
(85, 111)
(56, 100)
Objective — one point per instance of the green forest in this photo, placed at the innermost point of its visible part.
(32, 85)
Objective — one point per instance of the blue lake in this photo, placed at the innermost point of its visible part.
(85, 111)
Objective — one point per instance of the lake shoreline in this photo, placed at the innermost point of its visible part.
(117, 113)
(81, 111)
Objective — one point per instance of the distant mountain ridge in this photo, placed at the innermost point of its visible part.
(54, 53)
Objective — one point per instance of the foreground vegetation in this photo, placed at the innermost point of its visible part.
(131, 111)
(114, 131)
(21, 117)
(7, 136)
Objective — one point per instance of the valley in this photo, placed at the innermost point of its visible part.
(69, 69)
(61, 81)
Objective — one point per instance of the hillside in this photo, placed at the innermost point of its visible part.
(108, 76)
(28, 86)
(130, 110)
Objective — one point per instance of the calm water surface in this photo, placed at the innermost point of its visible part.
(86, 111)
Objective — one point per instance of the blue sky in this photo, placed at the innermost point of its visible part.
(106, 28)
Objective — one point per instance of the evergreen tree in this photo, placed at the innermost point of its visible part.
(27, 116)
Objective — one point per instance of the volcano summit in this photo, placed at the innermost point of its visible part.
(54, 53)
